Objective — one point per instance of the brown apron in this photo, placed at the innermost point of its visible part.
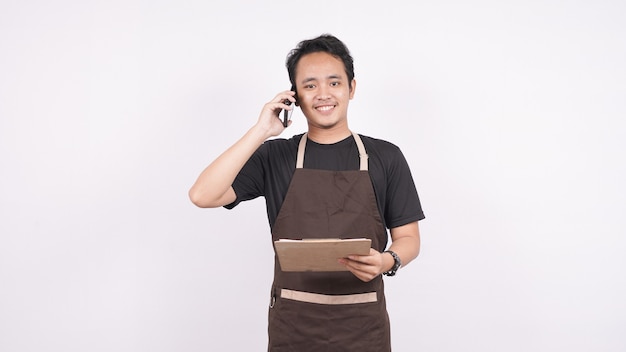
(328, 311)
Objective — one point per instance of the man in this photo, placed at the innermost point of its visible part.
(327, 183)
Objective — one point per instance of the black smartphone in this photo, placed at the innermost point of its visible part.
(287, 113)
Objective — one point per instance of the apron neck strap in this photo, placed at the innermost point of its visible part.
(359, 143)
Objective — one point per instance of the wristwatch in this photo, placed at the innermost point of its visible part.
(396, 265)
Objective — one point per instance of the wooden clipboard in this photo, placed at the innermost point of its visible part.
(318, 254)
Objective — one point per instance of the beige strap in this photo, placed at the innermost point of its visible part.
(362, 154)
(359, 144)
(301, 146)
(319, 298)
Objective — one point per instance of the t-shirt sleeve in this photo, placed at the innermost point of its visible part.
(402, 203)
(249, 183)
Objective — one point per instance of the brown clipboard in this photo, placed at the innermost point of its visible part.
(318, 254)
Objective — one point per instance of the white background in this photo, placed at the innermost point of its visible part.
(510, 113)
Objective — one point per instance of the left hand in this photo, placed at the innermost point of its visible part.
(365, 267)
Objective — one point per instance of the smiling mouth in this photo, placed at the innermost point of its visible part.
(325, 107)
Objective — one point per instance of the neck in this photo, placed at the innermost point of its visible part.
(328, 136)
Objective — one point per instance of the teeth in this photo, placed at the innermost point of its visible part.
(325, 108)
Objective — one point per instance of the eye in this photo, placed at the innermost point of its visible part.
(309, 86)
(335, 84)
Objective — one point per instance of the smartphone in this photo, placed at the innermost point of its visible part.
(287, 113)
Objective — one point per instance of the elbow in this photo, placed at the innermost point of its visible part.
(207, 200)
(197, 199)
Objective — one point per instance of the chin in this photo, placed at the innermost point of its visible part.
(325, 123)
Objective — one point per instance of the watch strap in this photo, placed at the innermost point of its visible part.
(396, 263)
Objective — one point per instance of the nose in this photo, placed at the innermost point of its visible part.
(323, 93)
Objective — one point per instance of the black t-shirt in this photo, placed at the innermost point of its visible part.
(270, 169)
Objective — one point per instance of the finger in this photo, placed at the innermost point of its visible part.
(356, 266)
(363, 259)
(277, 107)
(371, 259)
(282, 102)
(285, 96)
(362, 275)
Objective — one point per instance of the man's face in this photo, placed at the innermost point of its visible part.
(323, 90)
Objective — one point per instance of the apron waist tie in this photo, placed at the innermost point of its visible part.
(328, 299)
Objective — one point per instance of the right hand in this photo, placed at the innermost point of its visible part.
(270, 118)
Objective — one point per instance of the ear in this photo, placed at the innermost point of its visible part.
(293, 88)
(352, 88)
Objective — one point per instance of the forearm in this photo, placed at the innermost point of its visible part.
(214, 182)
(405, 243)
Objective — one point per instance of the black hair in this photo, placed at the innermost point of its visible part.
(324, 43)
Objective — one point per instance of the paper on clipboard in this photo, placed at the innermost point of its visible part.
(318, 254)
